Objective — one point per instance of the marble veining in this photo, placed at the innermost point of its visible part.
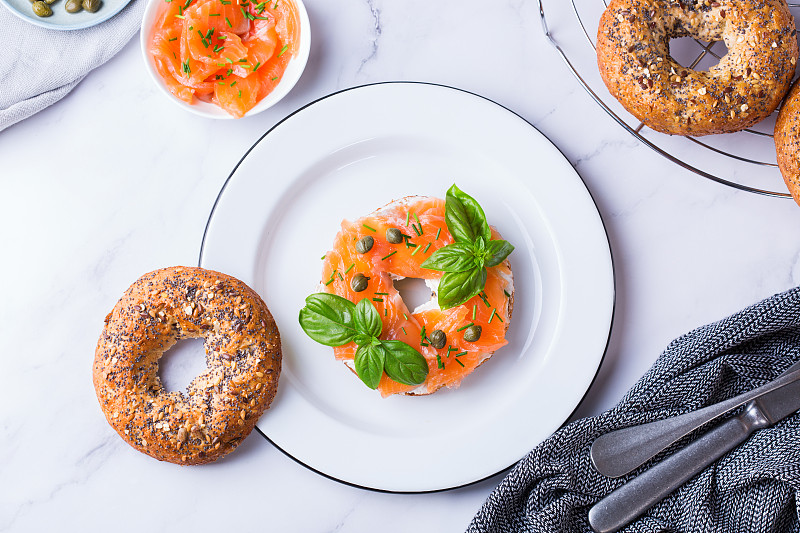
(114, 181)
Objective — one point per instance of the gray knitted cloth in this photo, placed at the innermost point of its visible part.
(754, 488)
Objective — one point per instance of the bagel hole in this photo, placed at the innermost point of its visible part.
(413, 291)
(686, 51)
(181, 364)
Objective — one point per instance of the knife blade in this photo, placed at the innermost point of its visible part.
(638, 495)
(622, 451)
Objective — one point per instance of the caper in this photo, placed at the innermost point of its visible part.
(91, 5)
(41, 9)
(394, 235)
(472, 333)
(359, 282)
(73, 6)
(438, 339)
(365, 244)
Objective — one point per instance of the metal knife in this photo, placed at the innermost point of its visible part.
(622, 451)
(642, 492)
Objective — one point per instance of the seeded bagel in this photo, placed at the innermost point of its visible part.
(221, 406)
(787, 141)
(745, 86)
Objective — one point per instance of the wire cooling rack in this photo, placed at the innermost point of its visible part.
(744, 160)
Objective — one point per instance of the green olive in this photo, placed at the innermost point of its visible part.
(394, 235)
(359, 282)
(91, 5)
(73, 6)
(365, 244)
(41, 9)
(472, 333)
(438, 339)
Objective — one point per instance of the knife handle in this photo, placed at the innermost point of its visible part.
(635, 497)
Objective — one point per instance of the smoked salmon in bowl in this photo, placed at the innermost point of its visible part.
(225, 58)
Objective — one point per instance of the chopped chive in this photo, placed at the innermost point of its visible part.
(179, 17)
(210, 32)
(285, 47)
(439, 362)
(340, 276)
(426, 248)
(233, 83)
(416, 230)
(418, 223)
(348, 268)
(462, 328)
(228, 21)
(173, 39)
(218, 49)
(240, 93)
(474, 310)
(459, 362)
(408, 214)
(329, 281)
(382, 294)
(377, 299)
(438, 231)
(494, 312)
(186, 68)
(459, 354)
(225, 2)
(274, 78)
(385, 311)
(369, 228)
(405, 316)
(256, 66)
(404, 331)
(506, 293)
(485, 300)
(410, 245)
(500, 318)
(417, 249)
(422, 333)
(387, 256)
(424, 344)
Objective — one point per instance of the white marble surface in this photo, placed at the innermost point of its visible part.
(114, 181)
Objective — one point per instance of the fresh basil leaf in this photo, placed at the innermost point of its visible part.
(464, 217)
(369, 363)
(328, 319)
(455, 288)
(404, 364)
(362, 339)
(496, 252)
(455, 257)
(367, 319)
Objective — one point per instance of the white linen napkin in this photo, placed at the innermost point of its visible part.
(39, 66)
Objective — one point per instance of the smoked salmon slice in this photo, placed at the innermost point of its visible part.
(229, 52)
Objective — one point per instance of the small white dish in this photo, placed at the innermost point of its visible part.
(60, 19)
(206, 109)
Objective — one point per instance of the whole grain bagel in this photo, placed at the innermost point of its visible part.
(787, 141)
(745, 86)
(221, 405)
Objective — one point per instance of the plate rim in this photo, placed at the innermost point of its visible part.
(64, 27)
(591, 197)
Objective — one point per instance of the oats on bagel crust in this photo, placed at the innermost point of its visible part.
(221, 405)
(745, 86)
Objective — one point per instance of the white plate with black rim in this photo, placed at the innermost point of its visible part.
(344, 156)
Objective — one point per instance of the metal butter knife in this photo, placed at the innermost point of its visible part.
(635, 497)
(622, 451)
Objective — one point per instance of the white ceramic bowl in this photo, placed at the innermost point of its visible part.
(205, 109)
